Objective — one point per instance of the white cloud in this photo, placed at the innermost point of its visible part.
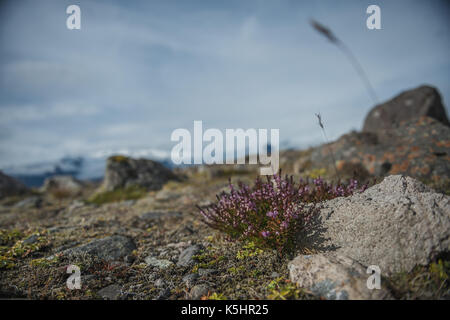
(136, 71)
(58, 111)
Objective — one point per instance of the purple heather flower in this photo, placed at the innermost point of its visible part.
(272, 214)
(284, 224)
(265, 234)
(238, 212)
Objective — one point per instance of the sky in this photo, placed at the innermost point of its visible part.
(137, 70)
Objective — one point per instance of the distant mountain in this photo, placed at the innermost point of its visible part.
(33, 175)
(90, 167)
(83, 168)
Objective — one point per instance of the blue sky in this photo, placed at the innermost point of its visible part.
(137, 70)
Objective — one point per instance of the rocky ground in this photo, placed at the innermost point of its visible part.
(139, 234)
(152, 248)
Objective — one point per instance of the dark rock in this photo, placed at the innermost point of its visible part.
(111, 292)
(129, 259)
(57, 229)
(190, 279)
(112, 248)
(352, 170)
(420, 149)
(409, 105)
(198, 291)
(125, 172)
(186, 257)
(31, 239)
(10, 186)
(408, 135)
(164, 294)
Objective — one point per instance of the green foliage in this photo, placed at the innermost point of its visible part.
(120, 194)
(236, 270)
(9, 236)
(248, 250)
(440, 270)
(316, 173)
(202, 256)
(228, 172)
(217, 296)
(281, 289)
(44, 262)
(423, 282)
(119, 158)
(9, 253)
(207, 260)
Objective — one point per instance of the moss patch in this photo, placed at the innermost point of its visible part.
(120, 194)
(423, 282)
(119, 158)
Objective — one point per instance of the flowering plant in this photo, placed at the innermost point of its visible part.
(271, 212)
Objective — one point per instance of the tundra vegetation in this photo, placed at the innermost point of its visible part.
(216, 232)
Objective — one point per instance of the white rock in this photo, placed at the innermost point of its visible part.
(396, 225)
(334, 277)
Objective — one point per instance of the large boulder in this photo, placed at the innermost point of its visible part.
(419, 148)
(63, 185)
(10, 186)
(125, 172)
(396, 225)
(421, 101)
(408, 135)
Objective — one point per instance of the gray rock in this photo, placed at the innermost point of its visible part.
(28, 203)
(128, 203)
(129, 259)
(159, 263)
(421, 101)
(396, 225)
(160, 283)
(10, 186)
(274, 275)
(57, 229)
(31, 239)
(111, 292)
(64, 184)
(185, 259)
(66, 246)
(198, 291)
(75, 205)
(334, 277)
(206, 272)
(164, 294)
(113, 248)
(124, 172)
(156, 215)
(89, 277)
(167, 195)
(190, 279)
